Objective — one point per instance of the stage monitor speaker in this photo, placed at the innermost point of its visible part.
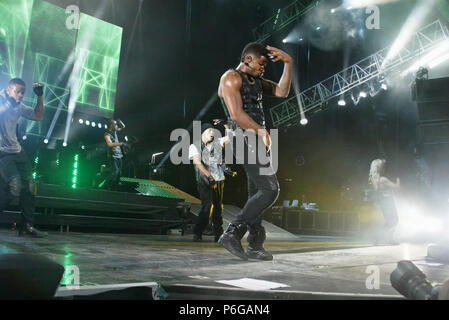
(28, 277)
(432, 97)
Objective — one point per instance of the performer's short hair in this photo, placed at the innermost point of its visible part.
(255, 48)
(109, 122)
(15, 81)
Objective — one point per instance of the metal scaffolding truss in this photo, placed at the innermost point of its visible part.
(283, 18)
(376, 65)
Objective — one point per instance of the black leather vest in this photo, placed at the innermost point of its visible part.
(252, 101)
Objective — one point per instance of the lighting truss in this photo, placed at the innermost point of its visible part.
(283, 18)
(365, 70)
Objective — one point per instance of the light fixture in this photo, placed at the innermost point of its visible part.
(93, 124)
(342, 102)
(64, 144)
(45, 141)
(304, 121)
(24, 137)
(80, 121)
(87, 122)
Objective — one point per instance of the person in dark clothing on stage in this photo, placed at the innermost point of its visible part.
(16, 180)
(115, 154)
(209, 171)
(241, 92)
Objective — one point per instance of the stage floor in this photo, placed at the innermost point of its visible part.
(303, 269)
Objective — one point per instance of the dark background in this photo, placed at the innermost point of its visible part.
(171, 64)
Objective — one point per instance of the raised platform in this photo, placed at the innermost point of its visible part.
(88, 208)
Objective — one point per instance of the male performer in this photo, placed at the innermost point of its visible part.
(16, 181)
(208, 160)
(241, 92)
(115, 154)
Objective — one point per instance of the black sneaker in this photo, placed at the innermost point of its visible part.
(233, 245)
(260, 254)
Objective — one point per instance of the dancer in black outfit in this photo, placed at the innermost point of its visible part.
(241, 92)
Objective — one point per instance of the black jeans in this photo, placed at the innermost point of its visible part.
(211, 207)
(16, 182)
(263, 190)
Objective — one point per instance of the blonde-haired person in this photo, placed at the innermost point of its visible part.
(384, 190)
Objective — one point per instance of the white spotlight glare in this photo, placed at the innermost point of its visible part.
(384, 86)
(87, 122)
(341, 102)
(318, 28)
(304, 121)
(24, 137)
(45, 141)
(363, 94)
(93, 124)
(80, 121)
(64, 144)
(99, 125)
(333, 10)
(284, 40)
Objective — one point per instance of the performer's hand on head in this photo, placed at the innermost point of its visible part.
(38, 89)
(277, 54)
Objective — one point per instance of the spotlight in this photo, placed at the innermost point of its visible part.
(304, 121)
(342, 102)
(45, 141)
(154, 170)
(384, 86)
(318, 28)
(333, 10)
(83, 147)
(80, 121)
(87, 122)
(99, 125)
(105, 126)
(93, 124)
(284, 40)
(300, 39)
(24, 137)
(64, 144)
(363, 94)
(354, 99)
(349, 8)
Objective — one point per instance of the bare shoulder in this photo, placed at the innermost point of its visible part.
(230, 79)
